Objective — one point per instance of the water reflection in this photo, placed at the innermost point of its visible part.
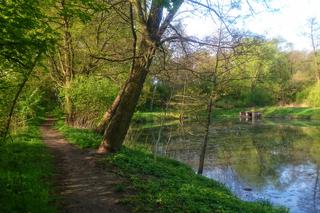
(272, 160)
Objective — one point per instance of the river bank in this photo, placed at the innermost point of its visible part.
(220, 113)
(162, 185)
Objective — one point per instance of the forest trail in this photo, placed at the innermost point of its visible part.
(80, 184)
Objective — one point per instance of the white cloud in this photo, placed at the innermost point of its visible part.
(289, 23)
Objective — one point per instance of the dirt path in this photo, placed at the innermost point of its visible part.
(82, 186)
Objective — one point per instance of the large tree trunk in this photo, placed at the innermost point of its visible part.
(152, 26)
(102, 125)
(118, 117)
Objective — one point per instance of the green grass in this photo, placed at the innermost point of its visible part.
(154, 116)
(25, 174)
(158, 184)
(291, 112)
(272, 112)
(83, 138)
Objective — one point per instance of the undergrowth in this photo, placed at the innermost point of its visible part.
(25, 173)
(83, 138)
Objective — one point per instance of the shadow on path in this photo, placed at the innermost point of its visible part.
(82, 186)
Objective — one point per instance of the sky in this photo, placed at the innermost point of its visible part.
(289, 22)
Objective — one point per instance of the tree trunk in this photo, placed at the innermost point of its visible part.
(17, 95)
(68, 106)
(119, 116)
(109, 114)
(67, 64)
(206, 137)
(152, 26)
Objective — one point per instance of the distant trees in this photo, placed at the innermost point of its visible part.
(310, 78)
(315, 39)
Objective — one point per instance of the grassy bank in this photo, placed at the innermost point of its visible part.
(141, 117)
(25, 173)
(291, 112)
(272, 112)
(83, 138)
(157, 184)
(156, 117)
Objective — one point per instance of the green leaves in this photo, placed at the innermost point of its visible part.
(74, 9)
(24, 36)
(23, 31)
(97, 91)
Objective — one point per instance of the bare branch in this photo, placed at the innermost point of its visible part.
(165, 24)
(113, 59)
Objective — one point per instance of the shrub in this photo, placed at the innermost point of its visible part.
(310, 96)
(91, 96)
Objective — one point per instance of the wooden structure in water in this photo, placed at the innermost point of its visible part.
(250, 115)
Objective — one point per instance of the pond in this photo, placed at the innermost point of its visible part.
(273, 160)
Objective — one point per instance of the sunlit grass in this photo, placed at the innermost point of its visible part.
(291, 112)
(154, 116)
(83, 138)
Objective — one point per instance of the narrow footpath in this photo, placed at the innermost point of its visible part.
(80, 184)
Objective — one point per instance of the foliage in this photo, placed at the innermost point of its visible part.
(25, 36)
(81, 137)
(25, 173)
(310, 95)
(258, 97)
(91, 96)
(90, 46)
(90, 35)
(37, 97)
(23, 31)
(155, 95)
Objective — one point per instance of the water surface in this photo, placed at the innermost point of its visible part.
(274, 160)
